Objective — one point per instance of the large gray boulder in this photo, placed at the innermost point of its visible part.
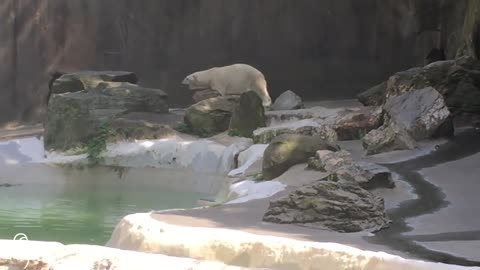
(82, 80)
(410, 117)
(248, 115)
(290, 149)
(458, 81)
(337, 206)
(288, 100)
(419, 112)
(210, 116)
(74, 117)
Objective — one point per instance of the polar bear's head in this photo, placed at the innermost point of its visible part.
(266, 99)
(195, 81)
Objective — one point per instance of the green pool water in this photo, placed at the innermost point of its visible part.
(84, 206)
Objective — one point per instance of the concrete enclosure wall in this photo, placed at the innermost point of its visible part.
(319, 49)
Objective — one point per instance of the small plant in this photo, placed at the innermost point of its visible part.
(259, 177)
(98, 144)
(203, 133)
(332, 177)
(236, 133)
(361, 133)
(184, 128)
(200, 132)
(76, 150)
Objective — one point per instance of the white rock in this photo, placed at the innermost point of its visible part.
(143, 233)
(55, 256)
(247, 159)
(176, 153)
(249, 190)
(22, 150)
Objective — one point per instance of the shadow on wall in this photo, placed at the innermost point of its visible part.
(319, 49)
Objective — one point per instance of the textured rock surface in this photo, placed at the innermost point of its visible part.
(456, 80)
(127, 129)
(410, 117)
(374, 96)
(341, 167)
(74, 117)
(420, 112)
(248, 115)
(204, 94)
(210, 116)
(318, 113)
(83, 80)
(388, 137)
(289, 149)
(326, 160)
(355, 124)
(308, 127)
(337, 206)
(331, 124)
(288, 100)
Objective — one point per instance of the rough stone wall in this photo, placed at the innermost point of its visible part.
(319, 49)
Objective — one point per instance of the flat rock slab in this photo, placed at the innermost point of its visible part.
(194, 238)
(83, 80)
(307, 127)
(320, 113)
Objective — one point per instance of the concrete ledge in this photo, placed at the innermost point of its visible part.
(32, 255)
(141, 232)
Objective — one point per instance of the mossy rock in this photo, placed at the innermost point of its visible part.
(374, 96)
(210, 116)
(248, 115)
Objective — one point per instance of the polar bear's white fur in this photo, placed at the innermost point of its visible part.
(231, 80)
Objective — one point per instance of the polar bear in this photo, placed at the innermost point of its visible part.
(231, 80)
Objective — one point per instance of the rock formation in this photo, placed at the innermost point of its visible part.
(82, 102)
(248, 115)
(341, 167)
(336, 206)
(288, 100)
(410, 117)
(210, 116)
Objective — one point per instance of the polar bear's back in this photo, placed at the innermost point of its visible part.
(238, 78)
